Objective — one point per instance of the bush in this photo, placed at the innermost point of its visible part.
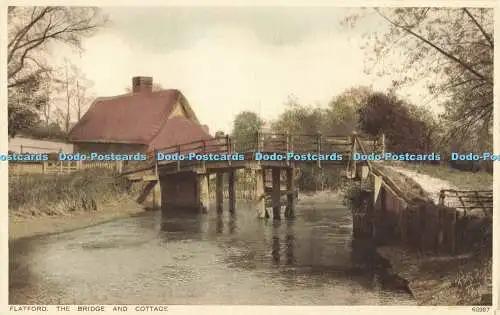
(82, 190)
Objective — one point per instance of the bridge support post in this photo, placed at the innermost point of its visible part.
(377, 204)
(219, 192)
(232, 190)
(276, 194)
(291, 198)
(260, 193)
(203, 180)
(157, 195)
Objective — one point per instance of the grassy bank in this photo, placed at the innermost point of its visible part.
(41, 204)
(443, 280)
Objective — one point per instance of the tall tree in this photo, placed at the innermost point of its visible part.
(31, 33)
(450, 48)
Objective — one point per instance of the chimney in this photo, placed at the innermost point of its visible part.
(142, 84)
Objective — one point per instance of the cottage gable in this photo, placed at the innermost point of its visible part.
(139, 118)
(178, 110)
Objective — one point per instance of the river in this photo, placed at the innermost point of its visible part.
(206, 259)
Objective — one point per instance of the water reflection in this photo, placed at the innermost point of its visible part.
(310, 259)
(283, 243)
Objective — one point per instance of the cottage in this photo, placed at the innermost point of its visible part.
(137, 122)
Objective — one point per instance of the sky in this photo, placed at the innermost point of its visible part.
(229, 59)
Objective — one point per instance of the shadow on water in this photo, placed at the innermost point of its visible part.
(292, 248)
(174, 256)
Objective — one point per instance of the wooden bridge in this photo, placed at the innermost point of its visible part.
(179, 175)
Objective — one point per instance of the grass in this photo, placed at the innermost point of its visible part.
(34, 195)
(464, 180)
(444, 280)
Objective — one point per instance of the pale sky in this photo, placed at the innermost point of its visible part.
(226, 60)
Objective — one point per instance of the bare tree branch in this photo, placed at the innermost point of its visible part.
(462, 63)
(485, 34)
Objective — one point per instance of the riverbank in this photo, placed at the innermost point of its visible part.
(443, 280)
(41, 205)
(437, 279)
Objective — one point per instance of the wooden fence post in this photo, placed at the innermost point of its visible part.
(318, 144)
(228, 144)
(260, 142)
(60, 163)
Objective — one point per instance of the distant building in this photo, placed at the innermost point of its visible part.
(137, 122)
(26, 144)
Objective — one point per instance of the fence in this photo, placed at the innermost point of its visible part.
(22, 144)
(59, 167)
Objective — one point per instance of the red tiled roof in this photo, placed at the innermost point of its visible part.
(134, 118)
(179, 130)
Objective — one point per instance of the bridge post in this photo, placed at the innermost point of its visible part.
(319, 137)
(232, 190)
(276, 193)
(351, 166)
(383, 143)
(204, 195)
(291, 198)
(219, 192)
(260, 193)
(260, 141)
(157, 195)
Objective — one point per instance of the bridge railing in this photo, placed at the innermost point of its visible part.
(216, 145)
(262, 142)
(309, 143)
(468, 200)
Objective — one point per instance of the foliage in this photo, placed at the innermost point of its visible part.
(450, 49)
(245, 127)
(31, 33)
(298, 118)
(341, 116)
(219, 134)
(41, 131)
(76, 191)
(399, 121)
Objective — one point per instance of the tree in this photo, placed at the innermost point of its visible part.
(21, 116)
(398, 120)
(451, 49)
(245, 127)
(341, 116)
(156, 87)
(31, 32)
(298, 118)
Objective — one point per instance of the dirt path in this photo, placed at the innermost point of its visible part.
(428, 183)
